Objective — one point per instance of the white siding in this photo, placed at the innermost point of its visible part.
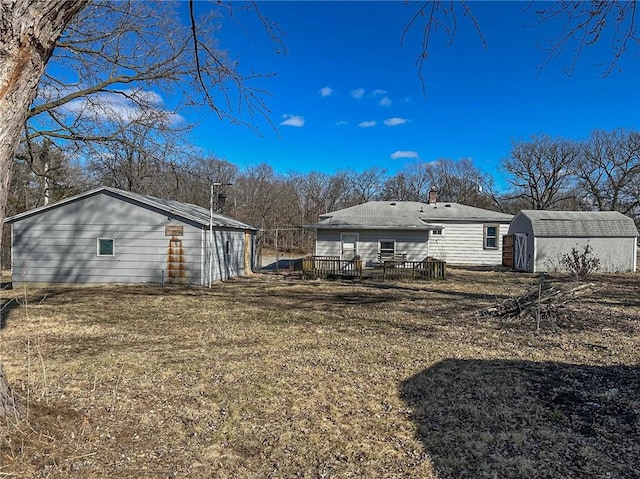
(615, 254)
(463, 243)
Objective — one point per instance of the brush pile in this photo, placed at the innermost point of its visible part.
(542, 301)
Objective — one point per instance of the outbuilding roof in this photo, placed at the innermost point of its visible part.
(405, 215)
(585, 224)
(194, 213)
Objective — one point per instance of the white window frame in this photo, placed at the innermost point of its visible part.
(440, 232)
(113, 246)
(486, 237)
(380, 241)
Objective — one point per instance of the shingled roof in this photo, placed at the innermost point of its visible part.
(595, 224)
(195, 213)
(405, 215)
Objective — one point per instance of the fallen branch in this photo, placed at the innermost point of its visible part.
(540, 301)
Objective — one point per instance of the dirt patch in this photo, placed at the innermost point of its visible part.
(276, 377)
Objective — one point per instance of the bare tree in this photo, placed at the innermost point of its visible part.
(608, 171)
(366, 185)
(433, 16)
(542, 171)
(456, 181)
(43, 173)
(583, 24)
(397, 187)
(190, 180)
(574, 26)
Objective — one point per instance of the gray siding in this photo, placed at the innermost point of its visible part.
(226, 265)
(615, 254)
(543, 253)
(60, 245)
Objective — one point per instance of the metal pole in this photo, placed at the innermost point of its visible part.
(277, 254)
(211, 237)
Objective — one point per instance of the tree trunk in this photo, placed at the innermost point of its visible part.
(29, 30)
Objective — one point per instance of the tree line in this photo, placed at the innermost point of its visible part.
(601, 172)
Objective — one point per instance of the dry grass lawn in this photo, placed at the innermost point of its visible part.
(272, 377)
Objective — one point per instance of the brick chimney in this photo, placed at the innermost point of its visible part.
(433, 196)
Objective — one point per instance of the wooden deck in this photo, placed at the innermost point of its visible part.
(328, 267)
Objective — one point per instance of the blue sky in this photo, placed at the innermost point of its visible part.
(347, 94)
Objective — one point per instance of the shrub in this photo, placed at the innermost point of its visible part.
(580, 263)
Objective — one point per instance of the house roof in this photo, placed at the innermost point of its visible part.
(187, 211)
(597, 224)
(405, 215)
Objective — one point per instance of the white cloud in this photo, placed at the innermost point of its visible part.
(292, 120)
(341, 122)
(326, 91)
(385, 101)
(404, 154)
(379, 92)
(122, 106)
(395, 121)
(367, 124)
(357, 94)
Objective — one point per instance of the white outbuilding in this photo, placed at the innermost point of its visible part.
(542, 238)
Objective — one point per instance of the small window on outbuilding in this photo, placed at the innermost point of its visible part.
(106, 247)
(491, 236)
(227, 247)
(436, 232)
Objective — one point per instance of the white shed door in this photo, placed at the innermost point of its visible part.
(520, 251)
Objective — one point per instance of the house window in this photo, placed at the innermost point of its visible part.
(106, 247)
(491, 236)
(227, 247)
(436, 232)
(386, 248)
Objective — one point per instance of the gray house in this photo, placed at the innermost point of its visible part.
(455, 233)
(540, 238)
(112, 236)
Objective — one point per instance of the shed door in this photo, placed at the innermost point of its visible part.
(520, 251)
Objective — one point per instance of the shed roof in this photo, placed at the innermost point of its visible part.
(596, 224)
(194, 213)
(405, 215)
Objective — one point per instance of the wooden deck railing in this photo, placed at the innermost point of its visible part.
(331, 267)
(428, 269)
(324, 267)
(397, 257)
